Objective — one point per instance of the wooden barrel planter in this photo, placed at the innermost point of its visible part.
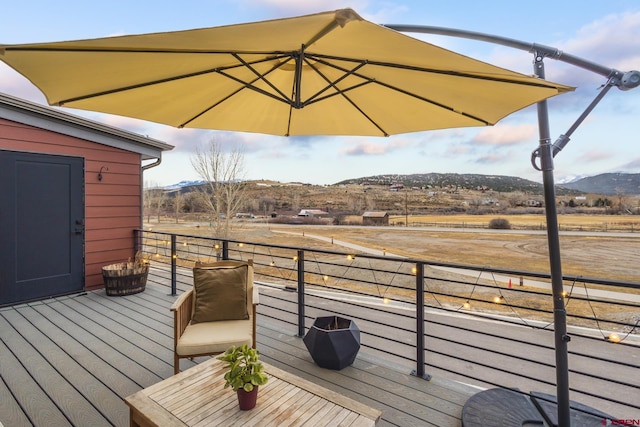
(120, 280)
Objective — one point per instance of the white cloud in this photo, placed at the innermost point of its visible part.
(505, 134)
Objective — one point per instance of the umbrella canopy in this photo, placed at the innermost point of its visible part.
(330, 73)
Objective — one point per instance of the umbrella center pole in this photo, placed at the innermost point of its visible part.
(297, 79)
(559, 314)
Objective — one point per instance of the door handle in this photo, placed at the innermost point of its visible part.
(79, 228)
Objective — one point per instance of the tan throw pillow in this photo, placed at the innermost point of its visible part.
(220, 293)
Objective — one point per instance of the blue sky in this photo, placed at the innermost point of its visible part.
(605, 32)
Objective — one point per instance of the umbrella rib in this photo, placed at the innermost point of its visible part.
(135, 86)
(332, 84)
(372, 80)
(261, 77)
(247, 85)
(339, 91)
(540, 83)
(219, 70)
(210, 108)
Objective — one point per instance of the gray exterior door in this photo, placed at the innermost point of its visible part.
(41, 226)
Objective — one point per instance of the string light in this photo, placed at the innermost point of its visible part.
(325, 277)
(271, 264)
(614, 338)
(466, 305)
(240, 245)
(385, 300)
(295, 258)
(350, 257)
(498, 299)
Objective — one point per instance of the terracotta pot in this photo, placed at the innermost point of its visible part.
(247, 400)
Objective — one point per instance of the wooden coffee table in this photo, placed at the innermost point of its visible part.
(196, 397)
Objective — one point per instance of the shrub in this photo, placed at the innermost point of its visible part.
(500, 224)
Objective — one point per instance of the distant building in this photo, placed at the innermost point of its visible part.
(244, 215)
(375, 218)
(313, 213)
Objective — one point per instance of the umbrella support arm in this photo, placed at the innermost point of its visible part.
(564, 139)
(625, 80)
(546, 152)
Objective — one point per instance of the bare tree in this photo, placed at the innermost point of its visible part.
(154, 199)
(178, 200)
(223, 188)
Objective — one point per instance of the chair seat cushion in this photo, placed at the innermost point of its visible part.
(214, 337)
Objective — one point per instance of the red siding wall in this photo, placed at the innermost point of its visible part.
(112, 206)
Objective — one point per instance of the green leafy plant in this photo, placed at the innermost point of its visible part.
(245, 371)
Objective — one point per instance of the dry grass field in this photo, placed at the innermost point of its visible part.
(614, 256)
(611, 256)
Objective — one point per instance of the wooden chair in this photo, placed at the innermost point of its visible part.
(217, 290)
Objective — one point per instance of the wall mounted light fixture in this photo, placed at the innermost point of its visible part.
(100, 172)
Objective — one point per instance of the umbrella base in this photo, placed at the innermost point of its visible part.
(499, 407)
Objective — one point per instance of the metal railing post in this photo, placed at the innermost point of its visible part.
(300, 293)
(225, 249)
(420, 346)
(136, 241)
(174, 257)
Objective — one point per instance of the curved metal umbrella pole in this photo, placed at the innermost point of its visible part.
(546, 152)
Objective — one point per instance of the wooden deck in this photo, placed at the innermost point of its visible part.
(72, 360)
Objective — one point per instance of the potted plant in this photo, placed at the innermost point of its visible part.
(245, 373)
(126, 278)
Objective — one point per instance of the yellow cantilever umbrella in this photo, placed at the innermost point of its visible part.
(330, 73)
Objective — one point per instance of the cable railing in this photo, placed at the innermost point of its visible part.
(478, 325)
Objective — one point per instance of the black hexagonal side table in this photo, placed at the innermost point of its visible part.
(333, 342)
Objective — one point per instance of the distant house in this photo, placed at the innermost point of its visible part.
(375, 218)
(71, 192)
(313, 213)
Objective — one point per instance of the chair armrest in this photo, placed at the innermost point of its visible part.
(177, 304)
(256, 295)
(182, 313)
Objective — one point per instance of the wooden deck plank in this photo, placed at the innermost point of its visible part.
(393, 399)
(9, 407)
(71, 408)
(127, 332)
(20, 392)
(158, 332)
(113, 338)
(102, 336)
(64, 355)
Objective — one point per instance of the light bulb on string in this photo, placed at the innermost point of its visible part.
(614, 338)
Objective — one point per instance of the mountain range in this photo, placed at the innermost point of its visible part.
(606, 184)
